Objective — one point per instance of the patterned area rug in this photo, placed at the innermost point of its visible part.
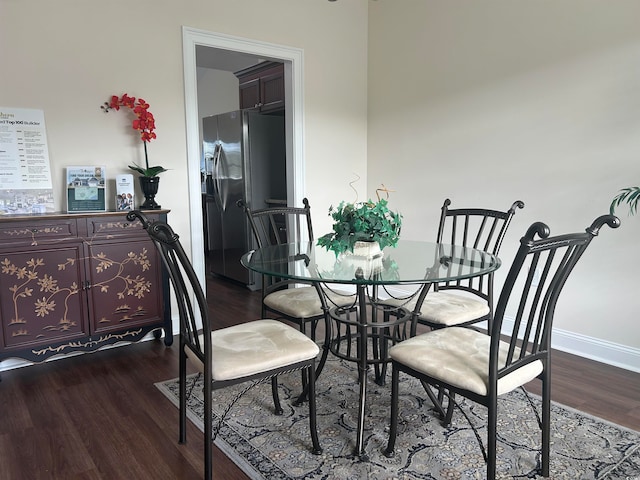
(270, 447)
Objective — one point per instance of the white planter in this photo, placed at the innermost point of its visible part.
(366, 259)
(367, 249)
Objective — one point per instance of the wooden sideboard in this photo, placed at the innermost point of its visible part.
(78, 282)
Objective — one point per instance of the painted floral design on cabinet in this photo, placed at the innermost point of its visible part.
(45, 293)
(29, 278)
(39, 300)
(122, 287)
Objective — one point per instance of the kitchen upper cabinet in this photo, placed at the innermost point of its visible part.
(262, 87)
(77, 282)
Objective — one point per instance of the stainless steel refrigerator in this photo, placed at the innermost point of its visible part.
(244, 158)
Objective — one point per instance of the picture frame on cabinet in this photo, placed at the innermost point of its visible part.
(86, 189)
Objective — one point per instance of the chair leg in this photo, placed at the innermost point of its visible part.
(303, 329)
(383, 338)
(384, 354)
(323, 359)
(311, 372)
(276, 396)
(393, 429)
(492, 428)
(376, 348)
(446, 421)
(182, 396)
(546, 420)
(208, 426)
(435, 400)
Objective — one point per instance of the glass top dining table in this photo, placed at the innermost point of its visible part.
(417, 263)
(410, 262)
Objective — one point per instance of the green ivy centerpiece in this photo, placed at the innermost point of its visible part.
(362, 222)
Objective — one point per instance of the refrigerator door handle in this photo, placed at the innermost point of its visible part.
(216, 175)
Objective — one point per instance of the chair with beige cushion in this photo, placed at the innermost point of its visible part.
(481, 366)
(469, 301)
(291, 299)
(255, 351)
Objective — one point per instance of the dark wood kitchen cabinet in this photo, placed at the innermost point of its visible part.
(262, 87)
(77, 282)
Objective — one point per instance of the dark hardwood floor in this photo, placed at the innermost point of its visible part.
(99, 416)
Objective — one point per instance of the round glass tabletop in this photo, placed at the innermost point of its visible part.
(408, 262)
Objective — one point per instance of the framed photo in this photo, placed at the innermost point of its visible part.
(86, 189)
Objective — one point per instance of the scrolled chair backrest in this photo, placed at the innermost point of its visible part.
(185, 284)
(278, 225)
(478, 228)
(536, 278)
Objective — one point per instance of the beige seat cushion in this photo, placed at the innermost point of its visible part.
(255, 347)
(303, 302)
(460, 357)
(447, 309)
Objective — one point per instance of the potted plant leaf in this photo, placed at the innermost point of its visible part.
(630, 196)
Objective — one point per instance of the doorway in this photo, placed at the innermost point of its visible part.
(230, 46)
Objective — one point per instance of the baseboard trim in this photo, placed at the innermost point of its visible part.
(603, 351)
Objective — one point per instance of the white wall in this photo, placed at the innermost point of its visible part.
(491, 101)
(68, 57)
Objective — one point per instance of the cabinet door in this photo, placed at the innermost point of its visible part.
(262, 87)
(250, 94)
(41, 298)
(272, 91)
(125, 287)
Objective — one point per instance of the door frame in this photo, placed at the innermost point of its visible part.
(294, 125)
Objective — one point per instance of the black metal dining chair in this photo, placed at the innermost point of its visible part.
(255, 351)
(468, 301)
(481, 366)
(292, 300)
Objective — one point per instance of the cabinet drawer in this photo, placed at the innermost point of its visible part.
(31, 232)
(116, 226)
